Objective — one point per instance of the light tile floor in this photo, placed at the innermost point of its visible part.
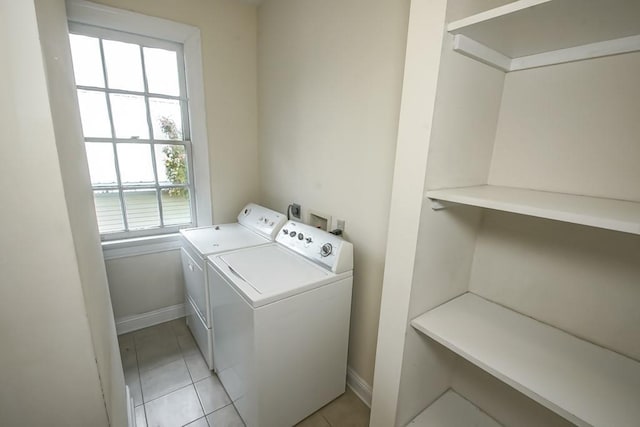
(172, 386)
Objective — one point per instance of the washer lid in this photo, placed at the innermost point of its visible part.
(268, 273)
(222, 238)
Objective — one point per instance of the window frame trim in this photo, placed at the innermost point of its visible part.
(157, 29)
(143, 42)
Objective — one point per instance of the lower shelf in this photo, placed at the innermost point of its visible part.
(582, 382)
(452, 410)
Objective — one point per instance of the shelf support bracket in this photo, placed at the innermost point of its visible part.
(480, 52)
(438, 205)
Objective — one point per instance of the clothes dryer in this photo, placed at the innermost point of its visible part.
(282, 316)
(256, 226)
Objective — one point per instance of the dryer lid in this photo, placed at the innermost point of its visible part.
(222, 238)
(268, 273)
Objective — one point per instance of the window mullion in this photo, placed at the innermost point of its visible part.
(184, 96)
(153, 137)
(123, 207)
(191, 184)
(186, 133)
(131, 92)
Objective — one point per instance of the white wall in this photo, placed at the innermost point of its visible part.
(49, 374)
(330, 78)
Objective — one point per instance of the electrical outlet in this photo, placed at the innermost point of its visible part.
(295, 210)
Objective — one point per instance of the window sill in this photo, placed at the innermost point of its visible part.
(140, 246)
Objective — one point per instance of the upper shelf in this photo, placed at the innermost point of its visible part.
(534, 33)
(610, 214)
(586, 384)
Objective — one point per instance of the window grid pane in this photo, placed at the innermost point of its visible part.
(108, 211)
(100, 158)
(94, 114)
(166, 119)
(142, 182)
(87, 60)
(176, 206)
(122, 62)
(142, 208)
(135, 164)
(171, 164)
(129, 115)
(162, 74)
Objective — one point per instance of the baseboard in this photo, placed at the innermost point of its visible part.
(139, 321)
(359, 386)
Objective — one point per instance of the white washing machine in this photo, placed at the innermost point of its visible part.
(256, 226)
(282, 324)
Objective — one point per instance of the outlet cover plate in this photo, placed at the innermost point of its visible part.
(295, 210)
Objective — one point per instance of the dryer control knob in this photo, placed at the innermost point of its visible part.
(326, 249)
(292, 234)
(300, 236)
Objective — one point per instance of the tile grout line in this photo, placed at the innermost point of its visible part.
(165, 395)
(183, 359)
(197, 419)
(190, 375)
(135, 349)
(202, 379)
(192, 383)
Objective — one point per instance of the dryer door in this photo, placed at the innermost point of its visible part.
(196, 285)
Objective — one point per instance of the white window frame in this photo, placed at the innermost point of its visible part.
(84, 12)
(153, 139)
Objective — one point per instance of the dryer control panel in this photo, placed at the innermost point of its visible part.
(332, 252)
(261, 220)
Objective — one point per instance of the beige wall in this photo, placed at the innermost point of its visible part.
(49, 374)
(330, 77)
(576, 121)
(52, 23)
(228, 32)
(145, 283)
(228, 35)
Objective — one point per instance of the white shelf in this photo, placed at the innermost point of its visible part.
(610, 214)
(586, 384)
(452, 410)
(534, 33)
